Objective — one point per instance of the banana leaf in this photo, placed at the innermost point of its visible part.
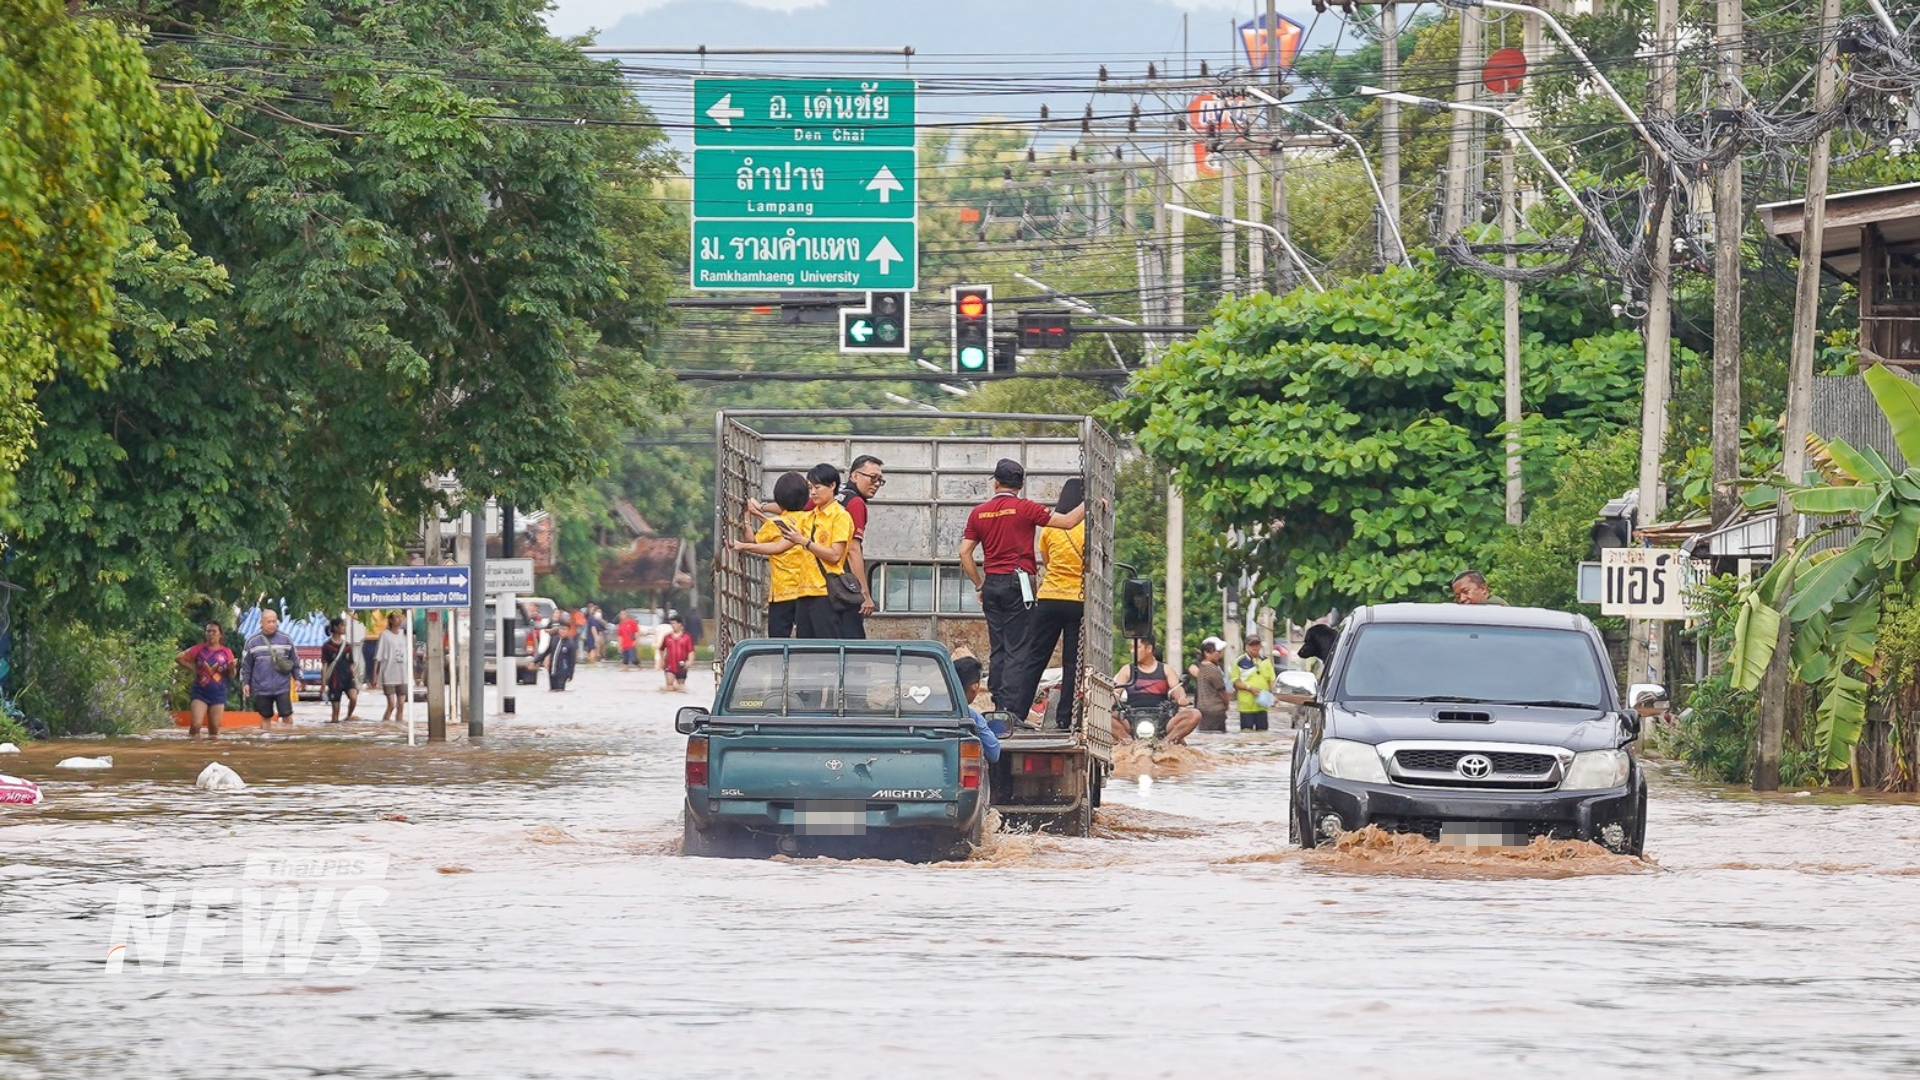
(1756, 633)
(1830, 580)
(1907, 486)
(1900, 400)
(1859, 466)
(1841, 718)
(1902, 539)
(1849, 499)
(1810, 659)
(1857, 631)
(1760, 497)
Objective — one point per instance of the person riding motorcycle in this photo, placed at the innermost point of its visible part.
(1151, 694)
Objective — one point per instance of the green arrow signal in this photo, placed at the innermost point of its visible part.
(860, 331)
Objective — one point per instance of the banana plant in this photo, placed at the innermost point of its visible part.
(1831, 599)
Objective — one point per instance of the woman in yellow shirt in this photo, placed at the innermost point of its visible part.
(797, 589)
(1060, 604)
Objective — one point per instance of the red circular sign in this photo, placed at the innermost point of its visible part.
(1506, 71)
(973, 305)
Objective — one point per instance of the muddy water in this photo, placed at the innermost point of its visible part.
(532, 920)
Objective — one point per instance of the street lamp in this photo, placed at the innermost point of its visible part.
(1513, 129)
(1372, 180)
(1573, 47)
(1277, 235)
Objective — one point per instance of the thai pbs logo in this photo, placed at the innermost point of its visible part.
(297, 912)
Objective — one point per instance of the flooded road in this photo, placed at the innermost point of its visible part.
(517, 909)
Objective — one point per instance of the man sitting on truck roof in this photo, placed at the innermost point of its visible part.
(1004, 526)
(969, 671)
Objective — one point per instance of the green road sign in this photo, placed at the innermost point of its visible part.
(803, 112)
(805, 184)
(800, 254)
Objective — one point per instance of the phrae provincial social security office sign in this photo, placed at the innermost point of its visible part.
(805, 184)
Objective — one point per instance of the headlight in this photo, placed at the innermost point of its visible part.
(1345, 760)
(1145, 729)
(1597, 770)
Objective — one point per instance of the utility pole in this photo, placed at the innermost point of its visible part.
(1256, 211)
(476, 618)
(1229, 253)
(1277, 160)
(1453, 216)
(1728, 224)
(1176, 238)
(1509, 232)
(506, 673)
(1644, 660)
(1390, 122)
(436, 644)
(1772, 727)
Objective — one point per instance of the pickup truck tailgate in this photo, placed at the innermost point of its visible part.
(860, 766)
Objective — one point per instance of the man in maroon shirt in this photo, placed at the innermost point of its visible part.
(865, 478)
(1003, 526)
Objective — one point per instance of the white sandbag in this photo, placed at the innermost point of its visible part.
(85, 763)
(217, 777)
(17, 792)
(8, 748)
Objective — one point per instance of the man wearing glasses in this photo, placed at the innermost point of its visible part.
(865, 478)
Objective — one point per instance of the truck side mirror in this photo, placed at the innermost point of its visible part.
(690, 719)
(1647, 698)
(1300, 682)
(1136, 608)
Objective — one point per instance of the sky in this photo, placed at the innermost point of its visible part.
(578, 16)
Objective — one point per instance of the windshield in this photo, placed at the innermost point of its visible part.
(868, 684)
(1473, 664)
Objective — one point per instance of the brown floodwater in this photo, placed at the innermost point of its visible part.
(518, 908)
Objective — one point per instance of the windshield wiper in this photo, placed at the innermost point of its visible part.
(1550, 703)
(1445, 699)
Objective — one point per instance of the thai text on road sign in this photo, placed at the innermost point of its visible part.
(371, 588)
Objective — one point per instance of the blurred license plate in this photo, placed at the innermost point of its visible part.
(829, 817)
(1482, 834)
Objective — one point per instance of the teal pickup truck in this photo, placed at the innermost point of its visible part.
(835, 747)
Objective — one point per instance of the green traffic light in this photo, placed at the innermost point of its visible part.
(973, 358)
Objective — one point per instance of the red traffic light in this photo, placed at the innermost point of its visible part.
(972, 305)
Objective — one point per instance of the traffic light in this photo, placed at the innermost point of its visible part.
(972, 329)
(1045, 331)
(1006, 357)
(879, 327)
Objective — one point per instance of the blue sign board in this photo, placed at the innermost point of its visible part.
(371, 588)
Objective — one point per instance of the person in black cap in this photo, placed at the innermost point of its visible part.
(1003, 526)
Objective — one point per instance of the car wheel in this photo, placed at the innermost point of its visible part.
(1300, 831)
(1638, 846)
(1096, 783)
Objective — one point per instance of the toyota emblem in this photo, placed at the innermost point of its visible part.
(833, 763)
(1474, 766)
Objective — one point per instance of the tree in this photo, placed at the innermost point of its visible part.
(1354, 436)
(426, 276)
(1535, 565)
(85, 122)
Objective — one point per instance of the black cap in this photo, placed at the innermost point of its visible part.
(1010, 474)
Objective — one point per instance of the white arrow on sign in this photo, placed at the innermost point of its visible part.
(885, 254)
(886, 184)
(723, 112)
(458, 581)
(861, 330)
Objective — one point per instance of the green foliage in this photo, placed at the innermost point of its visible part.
(1833, 599)
(13, 722)
(82, 681)
(84, 121)
(1355, 434)
(394, 273)
(1533, 565)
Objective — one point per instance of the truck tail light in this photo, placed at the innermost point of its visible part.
(697, 761)
(1042, 765)
(973, 762)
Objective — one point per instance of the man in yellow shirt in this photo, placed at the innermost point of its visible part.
(797, 589)
(1059, 607)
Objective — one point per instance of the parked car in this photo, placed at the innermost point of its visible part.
(1472, 725)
